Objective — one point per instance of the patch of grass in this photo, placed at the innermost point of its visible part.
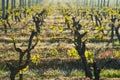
(54, 73)
(76, 73)
(29, 74)
(4, 74)
(116, 44)
(111, 73)
(1, 72)
(47, 74)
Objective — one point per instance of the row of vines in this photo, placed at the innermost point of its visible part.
(87, 27)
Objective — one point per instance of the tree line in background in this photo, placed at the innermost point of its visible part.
(101, 3)
(96, 3)
(12, 4)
